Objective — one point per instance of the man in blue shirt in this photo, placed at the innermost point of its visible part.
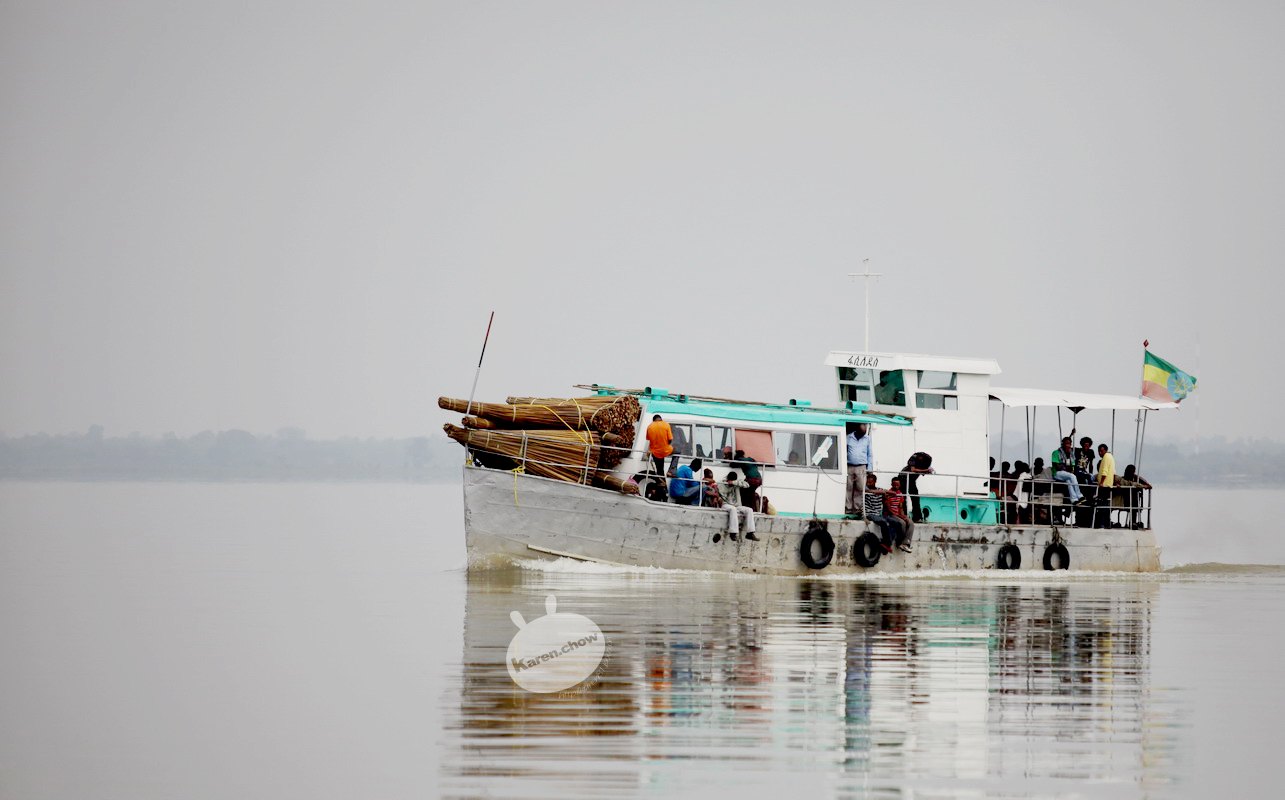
(860, 458)
(684, 489)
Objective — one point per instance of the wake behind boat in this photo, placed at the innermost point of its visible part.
(578, 478)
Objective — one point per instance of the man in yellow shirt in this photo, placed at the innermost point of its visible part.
(1106, 467)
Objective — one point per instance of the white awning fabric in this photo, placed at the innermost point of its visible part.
(1085, 400)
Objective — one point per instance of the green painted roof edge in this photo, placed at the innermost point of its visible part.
(790, 415)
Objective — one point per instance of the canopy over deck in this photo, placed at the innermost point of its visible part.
(1074, 400)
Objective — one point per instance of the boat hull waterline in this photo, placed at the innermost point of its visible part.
(518, 516)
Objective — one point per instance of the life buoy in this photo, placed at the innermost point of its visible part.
(1056, 550)
(867, 549)
(1009, 557)
(821, 536)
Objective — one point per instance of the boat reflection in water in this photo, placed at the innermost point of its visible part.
(750, 687)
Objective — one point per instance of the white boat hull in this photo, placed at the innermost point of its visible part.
(518, 516)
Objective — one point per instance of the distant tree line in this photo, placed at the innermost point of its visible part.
(290, 455)
(228, 455)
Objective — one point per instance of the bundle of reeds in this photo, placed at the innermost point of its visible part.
(616, 415)
(566, 455)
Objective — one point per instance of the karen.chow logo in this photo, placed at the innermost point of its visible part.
(554, 652)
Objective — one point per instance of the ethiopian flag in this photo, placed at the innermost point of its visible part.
(1163, 382)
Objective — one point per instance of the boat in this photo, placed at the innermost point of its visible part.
(520, 504)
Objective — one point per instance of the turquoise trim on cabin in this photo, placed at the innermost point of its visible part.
(971, 511)
(788, 415)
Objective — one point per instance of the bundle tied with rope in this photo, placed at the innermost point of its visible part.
(613, 417)
(610, 421)
(564, 455)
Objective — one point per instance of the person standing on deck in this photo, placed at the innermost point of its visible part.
(1106, 467)
(919, 464)
(660, 440)
(1106, 482)
(860, 458)
(753, 479)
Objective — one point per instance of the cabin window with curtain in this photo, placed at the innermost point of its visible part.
(757, 445)
(937, 390)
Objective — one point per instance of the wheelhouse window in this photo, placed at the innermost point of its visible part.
(937, 390)
(886, 387)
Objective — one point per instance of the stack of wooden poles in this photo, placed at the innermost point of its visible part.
(571, 439)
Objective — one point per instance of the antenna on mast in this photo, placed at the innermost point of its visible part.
(865, 264)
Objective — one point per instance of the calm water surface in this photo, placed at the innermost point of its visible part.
(317, 641)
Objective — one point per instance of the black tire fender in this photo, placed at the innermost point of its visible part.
(867, 549)
(1010, 557)
(822, 536)
(1057, 550)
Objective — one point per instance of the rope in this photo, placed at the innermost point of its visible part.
(558, 416)
(519, 470)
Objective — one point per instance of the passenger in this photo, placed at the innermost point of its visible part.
(1022, 492)
(1064, 469)
(660, 440)
(994, 484)
(730, 492)
(684, 489)
(1084, 460)
(919, 464)
(895, 505)
(1106, 467)
(873, 509)
(1106, 483)
(1084, 471)
(860, 459)
(711, 497)
(1005, 492)
(1133, 485)
(753, 478)
(1041, 487)
(682, 447)
(795, 460)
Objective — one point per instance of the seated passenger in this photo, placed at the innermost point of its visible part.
(875, 512)
(711, 496)
(1064, 469)
(730, 493)
(1131, 485)
(895, 505)
(684, 489)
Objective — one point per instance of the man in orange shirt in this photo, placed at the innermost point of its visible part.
(660, 439)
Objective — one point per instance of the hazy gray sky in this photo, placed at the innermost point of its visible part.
(260, 214)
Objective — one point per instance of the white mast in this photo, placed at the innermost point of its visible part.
(865, 263)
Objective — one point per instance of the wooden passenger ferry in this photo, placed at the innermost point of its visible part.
(547, 479)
